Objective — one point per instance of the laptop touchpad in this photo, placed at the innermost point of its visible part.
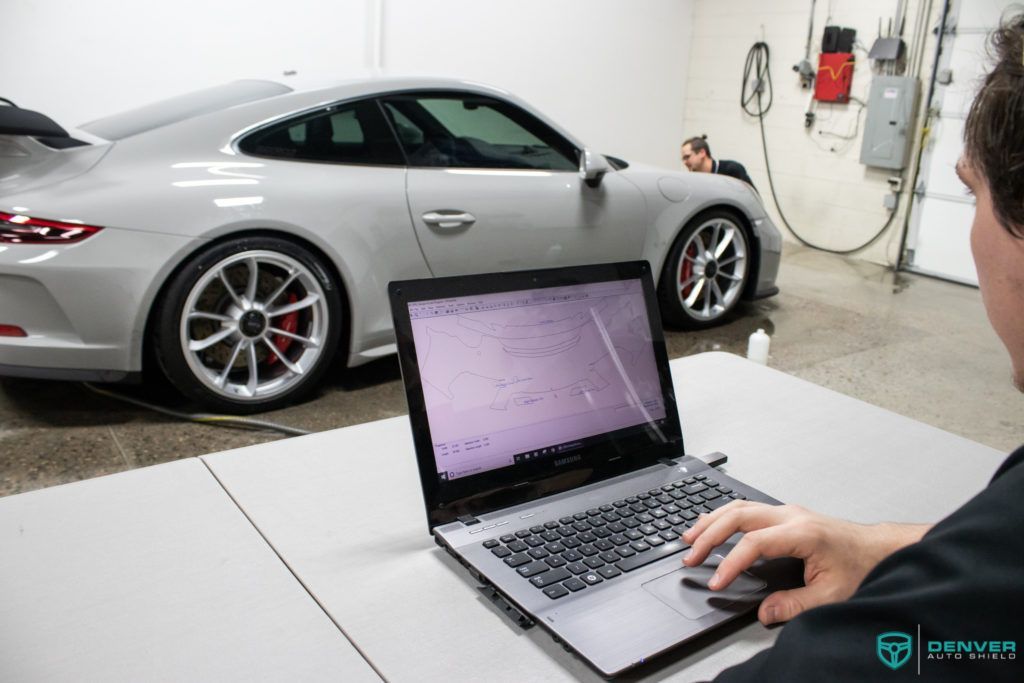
(686, 591)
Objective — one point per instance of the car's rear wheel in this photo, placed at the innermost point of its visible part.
(706, 271)
(250, 324)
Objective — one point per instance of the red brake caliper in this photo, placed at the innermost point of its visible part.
(289, 322)
(686, 272)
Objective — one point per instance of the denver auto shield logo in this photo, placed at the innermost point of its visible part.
(894, 648)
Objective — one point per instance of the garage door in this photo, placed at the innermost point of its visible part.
(939, 237)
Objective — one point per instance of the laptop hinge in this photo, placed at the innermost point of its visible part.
(667, 462)
(468, 520)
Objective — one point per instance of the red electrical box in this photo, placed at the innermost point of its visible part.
(835, 77)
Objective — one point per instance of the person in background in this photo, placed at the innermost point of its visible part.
(697, 157)
(903, 596)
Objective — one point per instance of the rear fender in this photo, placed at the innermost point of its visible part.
(27, 164)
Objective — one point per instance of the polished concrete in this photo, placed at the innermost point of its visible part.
(911, 344)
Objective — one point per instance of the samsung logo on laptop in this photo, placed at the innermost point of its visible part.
(570, 459)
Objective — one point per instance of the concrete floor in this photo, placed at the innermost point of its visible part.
(914, 345)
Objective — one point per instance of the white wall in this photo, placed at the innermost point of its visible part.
(76, 61)
(828, 196)
(612, 71)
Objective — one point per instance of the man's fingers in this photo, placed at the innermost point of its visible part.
(714, 529)
(776, 541)
(693, 535)
(782, 606)
(704, 521)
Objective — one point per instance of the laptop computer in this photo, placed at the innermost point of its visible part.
(551, 457)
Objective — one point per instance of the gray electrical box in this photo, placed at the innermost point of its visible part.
(889, 124)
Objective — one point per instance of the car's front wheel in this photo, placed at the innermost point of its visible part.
(250, 324)
(706, 271)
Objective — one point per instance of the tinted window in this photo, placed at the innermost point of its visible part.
(470, 131)
(350, 134)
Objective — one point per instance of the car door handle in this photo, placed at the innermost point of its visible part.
(448, 219)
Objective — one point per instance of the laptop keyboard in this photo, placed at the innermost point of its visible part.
(593, 546)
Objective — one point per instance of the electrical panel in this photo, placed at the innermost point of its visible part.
(835, 77)
(889, 123)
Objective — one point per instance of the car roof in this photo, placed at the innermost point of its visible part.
(239, 106)
(241, 92)
(371, 84)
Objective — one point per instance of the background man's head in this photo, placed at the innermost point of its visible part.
(697, 155)
(992, 167)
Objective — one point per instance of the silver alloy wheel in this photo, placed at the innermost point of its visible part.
(712, 269)
(253, 325)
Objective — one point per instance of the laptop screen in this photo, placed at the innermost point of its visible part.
(533, 374)
(529, 383)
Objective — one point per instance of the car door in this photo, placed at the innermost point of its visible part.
(491, 188)
(338, 173)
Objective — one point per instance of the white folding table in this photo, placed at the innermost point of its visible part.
(154, 575)
(344, 511)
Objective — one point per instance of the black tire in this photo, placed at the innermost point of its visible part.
(686, 271)
(209, 357)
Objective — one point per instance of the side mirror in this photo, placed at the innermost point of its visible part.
(593, 166)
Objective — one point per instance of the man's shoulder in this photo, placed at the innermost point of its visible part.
(1014, 460)
(734, 169)
(729, 166)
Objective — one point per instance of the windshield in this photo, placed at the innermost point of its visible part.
(183, 107)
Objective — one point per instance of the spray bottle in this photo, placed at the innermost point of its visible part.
(757, 347)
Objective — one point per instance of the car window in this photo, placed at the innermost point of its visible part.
(348, 134)
(408, 132)
(471, 131)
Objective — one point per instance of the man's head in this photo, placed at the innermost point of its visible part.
(992, 167)
(697, 155)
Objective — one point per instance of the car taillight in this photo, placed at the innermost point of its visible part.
(12, 331)
(18, 229)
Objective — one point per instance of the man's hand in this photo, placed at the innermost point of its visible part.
(837, 554)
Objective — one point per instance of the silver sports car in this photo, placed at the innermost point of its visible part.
(243, 236)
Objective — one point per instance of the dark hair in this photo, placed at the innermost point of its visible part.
(994, 131)
(699, 143)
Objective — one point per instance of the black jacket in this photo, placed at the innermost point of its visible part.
(962, 585)
(731, 168)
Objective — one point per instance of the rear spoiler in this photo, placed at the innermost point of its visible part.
(18, 121)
